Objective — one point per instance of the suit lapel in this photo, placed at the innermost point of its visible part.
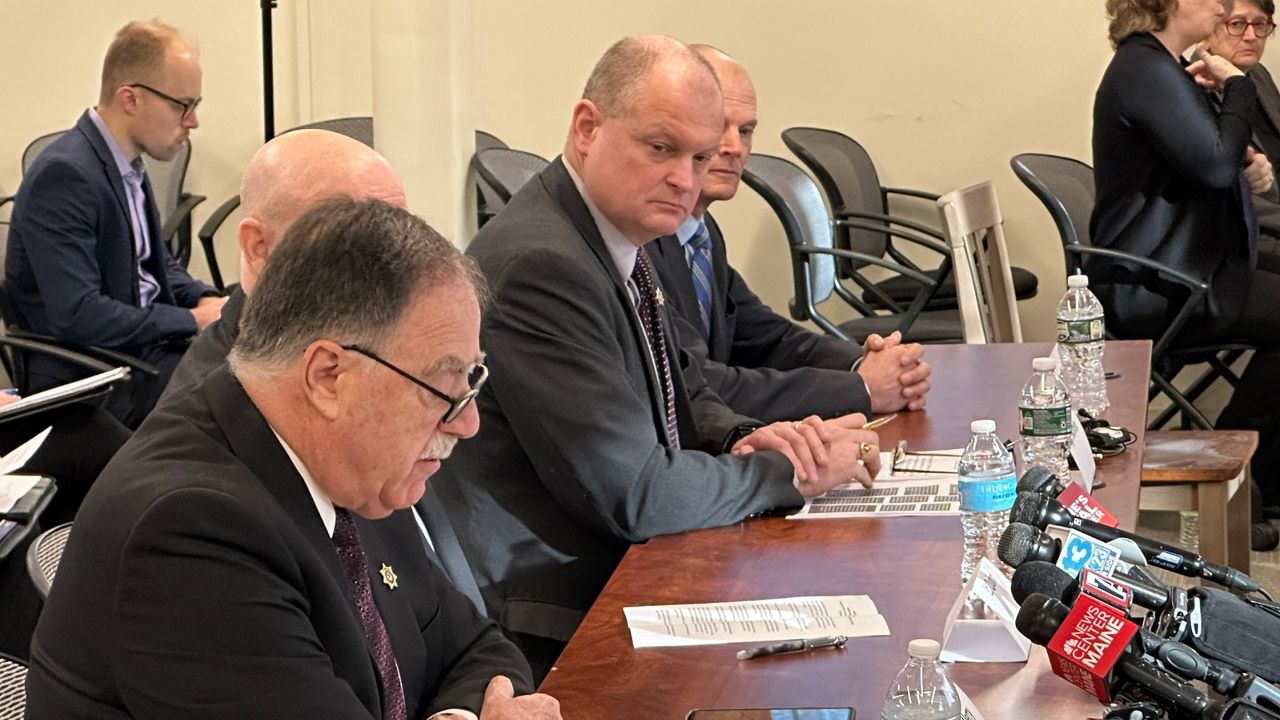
(560, 187)
(86, 126)
(252, 441)
(1267, 96)
(721, 341)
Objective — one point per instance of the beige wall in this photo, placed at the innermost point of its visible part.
(941, 92)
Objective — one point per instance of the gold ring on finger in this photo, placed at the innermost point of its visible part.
(864, 449)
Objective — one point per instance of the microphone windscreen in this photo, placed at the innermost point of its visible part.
(1016, 543)
(1039, 618)
(1026, 509)
(1043, 578)
(1035, 479)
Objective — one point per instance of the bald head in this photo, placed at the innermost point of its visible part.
(293, 173)
(620, 77)
(740, 120)
(643, 133)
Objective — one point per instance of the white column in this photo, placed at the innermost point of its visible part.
(422, 105)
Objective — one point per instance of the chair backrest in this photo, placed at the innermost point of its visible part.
(1065, 187)
(167, 178)
(486, 140)
(37, 146)
(848, 177)
(360, 127)
(488, 202)
(13, 688)
(798, 203)
(45, 554)
(507, 170)
(980, 261)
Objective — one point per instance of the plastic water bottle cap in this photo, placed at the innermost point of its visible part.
(1077, 281)
(924, 648)
(1043, 364)
(982, 426)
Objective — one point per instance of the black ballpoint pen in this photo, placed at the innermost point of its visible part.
(831, 641)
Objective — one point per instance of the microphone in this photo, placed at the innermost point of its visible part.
(1072, 496)
(1048, 579)
(1040, 480)
(1088, 646)
(1037, 510)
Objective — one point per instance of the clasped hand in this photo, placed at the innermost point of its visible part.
(896, 376)
(824, 453)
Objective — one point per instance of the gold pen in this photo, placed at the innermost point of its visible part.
(880, 422)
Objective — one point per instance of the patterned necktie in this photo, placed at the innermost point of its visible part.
(647, 307)
(698, 254)
(356, 567)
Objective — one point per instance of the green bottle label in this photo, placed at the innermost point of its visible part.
(1081, 331)
(1042, 422)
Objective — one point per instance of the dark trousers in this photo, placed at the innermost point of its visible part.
(132, 400)
(1255, 404)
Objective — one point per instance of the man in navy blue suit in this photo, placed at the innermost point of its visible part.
(86, 263)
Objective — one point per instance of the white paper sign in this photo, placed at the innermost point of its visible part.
(987, 640)
(1083, 455)
(796, 618)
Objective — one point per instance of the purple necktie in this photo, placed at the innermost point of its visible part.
(356, 567)
(647, 308)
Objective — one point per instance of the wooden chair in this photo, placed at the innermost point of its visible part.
(1206, 471)
(980, 262)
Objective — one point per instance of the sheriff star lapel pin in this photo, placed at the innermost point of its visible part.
(388, 576)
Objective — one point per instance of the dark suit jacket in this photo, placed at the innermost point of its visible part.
(209, 349)
(1169, 187)
(208, 353)
(571, 464)
(200, 582)
(761, 364)
(1269, 105)
(71, 266)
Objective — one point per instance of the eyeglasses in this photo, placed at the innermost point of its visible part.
(475, 380)
(1261, 28)
(188, 106)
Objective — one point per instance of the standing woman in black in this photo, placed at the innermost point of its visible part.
(1175, 174)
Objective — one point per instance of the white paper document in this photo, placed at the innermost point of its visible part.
(796, 618)
(13, 487)
(921, 484)
(71, 390)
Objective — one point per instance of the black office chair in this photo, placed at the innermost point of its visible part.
(488, 201)
(13, 688)
(797, 202)
(360, 128)
(506, 170)
(1065, 187)
(44, 555)
(849, 179)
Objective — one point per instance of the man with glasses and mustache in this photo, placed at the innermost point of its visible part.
(85, 262)
(249, 553)
(286, 177)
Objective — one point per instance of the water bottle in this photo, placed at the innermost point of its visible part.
(922, 690)
(988, 486)
(1044, 412)
(1081, 330)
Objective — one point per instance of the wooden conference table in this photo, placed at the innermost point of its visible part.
(908, 566)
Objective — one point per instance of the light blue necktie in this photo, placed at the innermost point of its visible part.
(698, 254)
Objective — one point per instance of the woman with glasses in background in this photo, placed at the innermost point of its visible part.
(1175, 173)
